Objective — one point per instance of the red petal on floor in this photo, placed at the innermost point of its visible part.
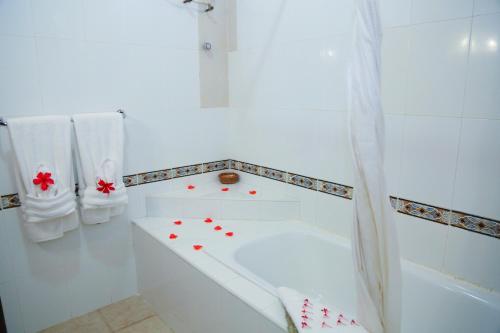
(253, 192)
(197, 247)
(217, 228)
(229, 234)
(208, 220)
(178, 222)
(225, 189)
(172, 236)
(191, 187)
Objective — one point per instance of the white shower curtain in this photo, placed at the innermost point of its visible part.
(375, 246)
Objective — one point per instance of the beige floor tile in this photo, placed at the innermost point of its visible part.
(89, 323)
(126, 312)
(150, 325)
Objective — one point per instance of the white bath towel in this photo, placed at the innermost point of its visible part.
(44, 175)
(310, 315)
(375, 245)
(100, 140)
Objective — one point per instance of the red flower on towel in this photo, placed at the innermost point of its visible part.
(229, 234)
(225, 189)
(105, 187)
(43, 179)
(197, 247)
(252, 192)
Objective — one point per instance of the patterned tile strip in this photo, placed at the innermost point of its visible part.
(339, 190)
(423, 211)
(482, 225)
(274, 174)
(302, 181)
(476, 224)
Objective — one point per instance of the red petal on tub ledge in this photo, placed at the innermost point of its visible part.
(178, 222)
(208, 220)
(225, 189)
(217, 228)
(173, 236)
(229, 234)
(253, 192)
(197, 247)
(191, 187)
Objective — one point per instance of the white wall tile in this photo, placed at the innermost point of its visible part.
(332, 158)
(472, 257)
(428, 159)
(483, 82)
(57, 18)
(20, 93)
(395, 12)
(334, 214)
(477, 185)
(394, 133)
(486, 6)
(61, 75)
(395, 69)
(436, 10)
(15, 18)
(413, 232)
(10, 307)
(44, 299)
(438, 60)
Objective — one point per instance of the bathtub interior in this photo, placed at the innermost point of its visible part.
(303, 262)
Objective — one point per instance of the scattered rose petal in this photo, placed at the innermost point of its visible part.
(208, 220)
(197, 247)
(229, 234)
(225, 189)
(178, 222)
(253, 192)
(191, 187)
(217, 228)
(173, 236)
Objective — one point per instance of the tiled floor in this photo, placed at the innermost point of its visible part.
(132, 315)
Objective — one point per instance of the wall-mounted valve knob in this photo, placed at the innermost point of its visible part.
(207, 46)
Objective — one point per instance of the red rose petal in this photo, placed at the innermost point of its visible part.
(178, 222)
(172, 236)
(217, 228)
(225, 189)
(229, 234)
(208, 220)
(191, 187)
(253, 192)
(197, 247)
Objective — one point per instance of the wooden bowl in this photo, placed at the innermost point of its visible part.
(229, 177)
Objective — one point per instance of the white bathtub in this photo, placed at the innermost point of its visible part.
(242, 272)
(321, 265)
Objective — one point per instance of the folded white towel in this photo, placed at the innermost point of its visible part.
(309, 315)
(44, 174)
(100, 140)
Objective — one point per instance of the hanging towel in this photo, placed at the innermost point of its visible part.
(310, 315)
(100, 139)
(375, 245)
(44, 175)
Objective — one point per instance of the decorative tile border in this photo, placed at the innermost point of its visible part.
(482, 225)
(338, 190)
(423, 211)
(10, 201)
(274, 174)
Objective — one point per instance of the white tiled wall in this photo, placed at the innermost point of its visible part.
(441, 88)
(70, 56)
